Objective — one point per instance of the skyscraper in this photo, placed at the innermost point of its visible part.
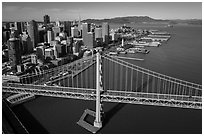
(105, 32)
(90, 42)
(98, 32)
(50, 36)
(33, 32)
(14, 51)
(18, 27)
(46, 19)
(74, 32)
(85, 28)
(67, 28)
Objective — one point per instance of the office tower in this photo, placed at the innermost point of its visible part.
(74, 32)
(67, 27)
(85, 29)
(46, 19)
(77, 46)
(33, 32)
(98, 33)
(105, 32)
(18, 27)
(59, 50)
(40, 52)
(50, 36)
(90, 40)
(69, 46)
(14, 51)
(42, 36)
(5, 36)
(56, 31)
(27, 46)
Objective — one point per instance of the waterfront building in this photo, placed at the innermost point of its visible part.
(46, 19)
(67, 27)
(33, 32)
(74, 32)
(105, 32)
(14, 51)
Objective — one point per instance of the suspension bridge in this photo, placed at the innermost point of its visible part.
(108, 78)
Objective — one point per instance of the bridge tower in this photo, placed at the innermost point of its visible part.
(99, 88)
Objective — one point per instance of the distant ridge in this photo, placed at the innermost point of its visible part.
(140, 19)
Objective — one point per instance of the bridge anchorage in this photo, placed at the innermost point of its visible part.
(99, 111)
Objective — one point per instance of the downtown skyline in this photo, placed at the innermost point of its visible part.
(26, 11)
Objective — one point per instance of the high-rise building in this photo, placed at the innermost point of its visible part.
(77, 46)
(56, 31)
(50, 36)
(85, 29)
(67, 27)
(5, 36)
(59, 50)
(18, 27)
(69, 46)
(14, 51)
(98, 33)
(105, 32)
(40, 52)
(90, 42)
(33, 32)
(27, 46)
(74, 32)
(46, 19)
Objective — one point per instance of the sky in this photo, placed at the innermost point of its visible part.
(26, 11)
